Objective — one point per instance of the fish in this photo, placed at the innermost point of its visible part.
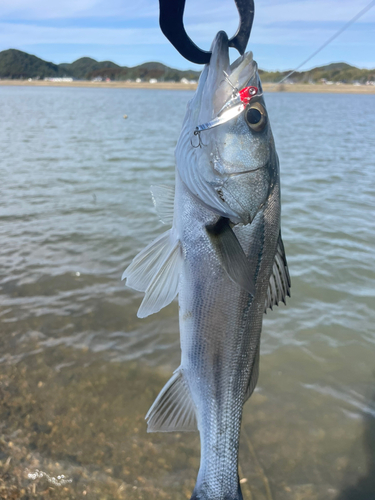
(224, 258)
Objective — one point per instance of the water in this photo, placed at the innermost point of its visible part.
(78, 369)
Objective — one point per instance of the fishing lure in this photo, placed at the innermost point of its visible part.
(232, 108)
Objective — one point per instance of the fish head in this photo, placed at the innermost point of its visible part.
(226, 154)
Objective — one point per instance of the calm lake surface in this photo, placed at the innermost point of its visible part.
(79, 370)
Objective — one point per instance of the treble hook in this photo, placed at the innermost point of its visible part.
(197, 133)
(172, 25)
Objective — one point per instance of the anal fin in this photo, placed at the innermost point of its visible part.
(173, 409)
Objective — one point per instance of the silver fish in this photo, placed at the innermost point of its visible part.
(225, 259)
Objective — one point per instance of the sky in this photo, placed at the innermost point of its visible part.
(127, 32)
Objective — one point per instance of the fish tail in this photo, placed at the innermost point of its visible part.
(200, 493)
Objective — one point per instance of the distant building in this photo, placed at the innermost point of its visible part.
(153, 80)
(58, 79)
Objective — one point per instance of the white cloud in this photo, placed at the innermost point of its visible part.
(314, 11)
(14, 35)
(273, 35)
(277, 11)
(302, 23)
(41, 9)
(266, 11)
(17, 34)
(73, 9)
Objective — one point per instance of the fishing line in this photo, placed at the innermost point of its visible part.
(341, 30)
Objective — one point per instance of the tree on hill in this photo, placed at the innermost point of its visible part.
(84, 66)
(17, 64)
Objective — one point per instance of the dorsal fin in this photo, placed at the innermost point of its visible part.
(173, 409)
(163, 200)
(279, 285)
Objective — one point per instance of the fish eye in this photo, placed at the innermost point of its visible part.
(256, 116)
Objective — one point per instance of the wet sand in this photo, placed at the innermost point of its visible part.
(68, 432)
(268, 87)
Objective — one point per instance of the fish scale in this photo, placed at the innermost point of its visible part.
(219, 257)
(234, 343)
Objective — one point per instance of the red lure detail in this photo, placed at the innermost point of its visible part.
(247, 94)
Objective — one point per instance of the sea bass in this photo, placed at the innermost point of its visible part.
(223, 257)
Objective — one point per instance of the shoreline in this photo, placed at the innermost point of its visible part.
(267, 87)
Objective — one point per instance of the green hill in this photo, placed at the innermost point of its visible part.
(334, 67)
(335, 72)
(16, 64)
(84, 66)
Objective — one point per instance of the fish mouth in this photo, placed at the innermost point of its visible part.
(243, 70)
(220, 78)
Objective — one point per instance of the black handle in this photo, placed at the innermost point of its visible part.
(172, 25)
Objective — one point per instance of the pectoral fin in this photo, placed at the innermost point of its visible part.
(163, 288)
(163, 200)
(231, 254)
(156, 271)
(146, 264)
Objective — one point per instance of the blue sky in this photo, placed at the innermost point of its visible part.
(127, 32)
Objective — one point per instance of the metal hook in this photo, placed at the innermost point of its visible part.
(172, 25)
(197, 133)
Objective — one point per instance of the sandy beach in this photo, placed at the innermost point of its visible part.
(268, 87)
